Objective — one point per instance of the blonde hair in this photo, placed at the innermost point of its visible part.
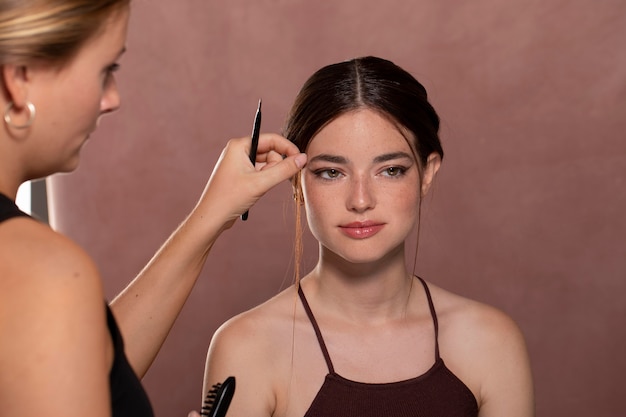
(50, 31)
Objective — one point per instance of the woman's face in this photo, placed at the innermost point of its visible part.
(361, 187)
(70, 100)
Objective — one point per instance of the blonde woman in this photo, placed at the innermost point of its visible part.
(62, 353)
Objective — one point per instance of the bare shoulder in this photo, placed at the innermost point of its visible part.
(255, 347)
(474, 321)
(486, 349)
(35, 256)
(260, 329)
(45, 276)
(52, 318)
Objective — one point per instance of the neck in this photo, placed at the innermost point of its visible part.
(11, 171)
(369, 292)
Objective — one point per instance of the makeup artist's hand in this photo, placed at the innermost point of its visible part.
(148, 307)
(236, 184)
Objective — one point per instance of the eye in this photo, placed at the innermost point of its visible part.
(110, 70)
(109, 74)
(394, 171)
(113, 68)
(328, 174)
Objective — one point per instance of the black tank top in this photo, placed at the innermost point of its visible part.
(128, 398)
(8, 209)
(438, 392)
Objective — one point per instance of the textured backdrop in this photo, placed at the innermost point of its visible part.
(527, 213)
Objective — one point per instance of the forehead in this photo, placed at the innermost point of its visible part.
(108, 42)
(113, 32)
(362, 132)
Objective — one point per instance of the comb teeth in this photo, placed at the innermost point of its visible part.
(209, 400)
(218, 398)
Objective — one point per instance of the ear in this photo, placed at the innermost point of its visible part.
(432, 166)
(15, 84)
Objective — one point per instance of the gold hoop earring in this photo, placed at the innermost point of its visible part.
(298, 198)
(31, 116)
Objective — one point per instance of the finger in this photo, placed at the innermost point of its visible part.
(283, 170)
(267, 160)
(272, 158)
(273, 142)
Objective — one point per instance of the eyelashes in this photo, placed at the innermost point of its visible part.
(113, 68)
(396, 171)
(327, 173)
(109, 74)
(330, 174)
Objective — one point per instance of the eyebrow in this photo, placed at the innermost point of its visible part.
(336, 159)
(121, 52)
(329, 158)
(392, 156)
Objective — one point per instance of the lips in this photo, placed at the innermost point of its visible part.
(361, 230)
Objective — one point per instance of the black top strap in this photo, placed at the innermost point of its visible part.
(318, 333)
(434, 316)
(320, 339)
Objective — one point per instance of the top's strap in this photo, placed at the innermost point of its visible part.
(318, 333)
(434, 316)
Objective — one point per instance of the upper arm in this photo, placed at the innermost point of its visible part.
(237, 349)
(507, 387)
(54, 350)
(487, 351)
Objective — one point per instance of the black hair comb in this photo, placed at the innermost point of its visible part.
(218, 398)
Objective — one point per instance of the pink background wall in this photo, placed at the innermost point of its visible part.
(527, 214)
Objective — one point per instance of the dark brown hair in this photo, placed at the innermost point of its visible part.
(367, 82)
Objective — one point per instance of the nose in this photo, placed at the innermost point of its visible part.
(361, 195)
(111, 99)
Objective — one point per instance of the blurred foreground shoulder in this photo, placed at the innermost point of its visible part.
(34, 255)
(53, 322)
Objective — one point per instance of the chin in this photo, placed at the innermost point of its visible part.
(361, 256)
(371, 252)
(70, 166)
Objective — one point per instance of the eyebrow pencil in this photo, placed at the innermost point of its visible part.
(255, 143)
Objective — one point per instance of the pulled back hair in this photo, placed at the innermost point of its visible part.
(364, 83)
(50, 31)
(361, 83)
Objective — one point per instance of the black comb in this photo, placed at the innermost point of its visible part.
(218, 398)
